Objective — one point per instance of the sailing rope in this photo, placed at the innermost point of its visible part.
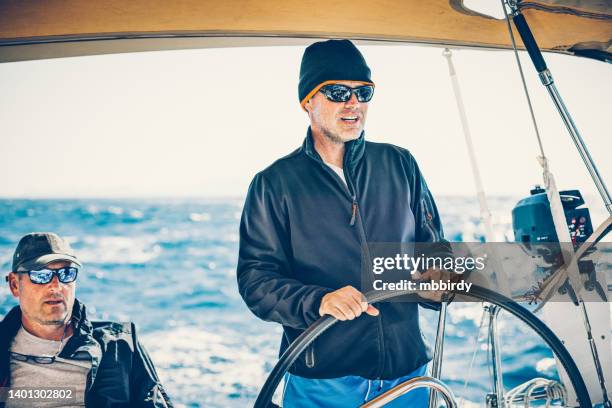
(552, 389)
(485, 214)
(560, 222)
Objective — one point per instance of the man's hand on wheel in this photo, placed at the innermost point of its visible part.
(435, 275)
(346, 303)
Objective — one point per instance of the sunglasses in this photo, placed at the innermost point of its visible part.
(35, 359)
(44, 276)
(342, 93)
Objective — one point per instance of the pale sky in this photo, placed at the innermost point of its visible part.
(203, 122)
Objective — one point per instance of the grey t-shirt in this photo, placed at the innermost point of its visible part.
(337, 170)
(62, 374)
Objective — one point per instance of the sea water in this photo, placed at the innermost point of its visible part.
(169, 266)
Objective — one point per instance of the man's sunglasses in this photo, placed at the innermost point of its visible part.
(35, 359)
(342, 93)
(44, 276)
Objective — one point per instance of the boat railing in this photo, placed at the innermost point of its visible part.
(410, 385)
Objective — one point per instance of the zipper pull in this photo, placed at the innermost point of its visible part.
(354, 214)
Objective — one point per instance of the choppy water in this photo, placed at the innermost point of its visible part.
(169, 266)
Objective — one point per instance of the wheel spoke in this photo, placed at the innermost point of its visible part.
(476, 348)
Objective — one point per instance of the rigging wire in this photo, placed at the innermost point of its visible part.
(476, 348)
(520, 68)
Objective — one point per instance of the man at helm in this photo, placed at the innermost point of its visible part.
(305, 228)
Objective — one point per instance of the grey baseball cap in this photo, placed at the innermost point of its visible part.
(38, 249)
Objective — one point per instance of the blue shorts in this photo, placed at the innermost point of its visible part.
(350, 391)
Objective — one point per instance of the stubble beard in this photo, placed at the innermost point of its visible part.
(59, 321)
(335, 137)
(331, 135)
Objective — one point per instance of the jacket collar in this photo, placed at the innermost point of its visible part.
(81, 323)
(8, 329)
(353, 151)
(82, 330)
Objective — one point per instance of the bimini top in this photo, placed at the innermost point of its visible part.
(59, 28)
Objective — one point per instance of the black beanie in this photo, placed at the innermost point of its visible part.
(330, 61)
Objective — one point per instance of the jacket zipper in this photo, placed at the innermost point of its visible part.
(354, 211)
(428, 215)
(357, 219)
(356, 216)
(91, 374)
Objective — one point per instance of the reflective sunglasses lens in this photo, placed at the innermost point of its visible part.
(41, 277)
(338, 93)
(364, 93)
(19, 357)
(44, 360)
(67, 275)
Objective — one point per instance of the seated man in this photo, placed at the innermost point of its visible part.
(47, 343)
